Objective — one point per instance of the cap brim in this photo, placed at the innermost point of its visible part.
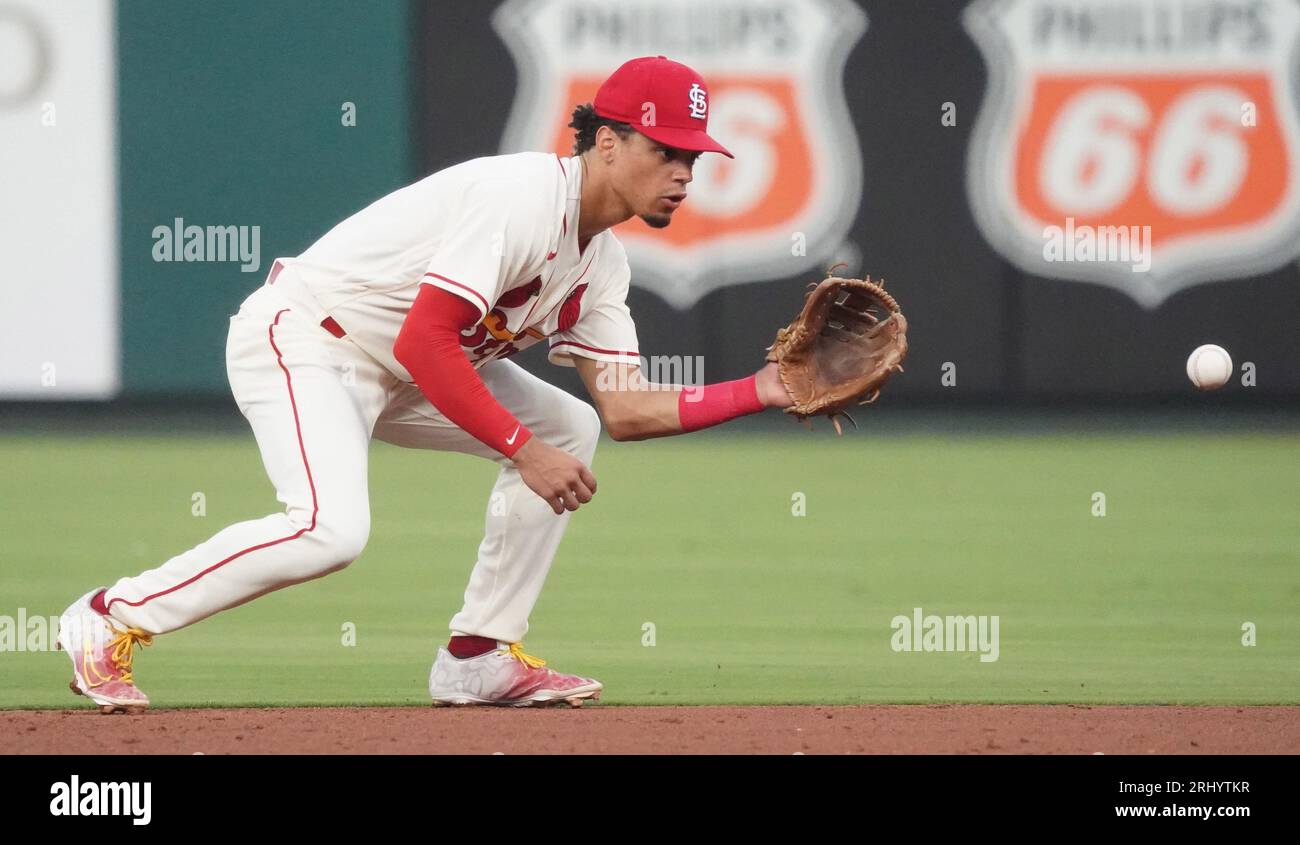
(694, 140)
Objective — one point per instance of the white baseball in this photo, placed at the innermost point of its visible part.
(1209, 366)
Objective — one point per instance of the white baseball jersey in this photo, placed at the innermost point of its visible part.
(502, 233)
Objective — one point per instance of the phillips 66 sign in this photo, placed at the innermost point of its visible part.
(775, 76)
(1176, 119)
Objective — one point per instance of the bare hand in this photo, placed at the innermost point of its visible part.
(771, 392)
(562, 480)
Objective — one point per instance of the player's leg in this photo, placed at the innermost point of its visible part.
(311, 400)
(521, 536)
(521, 532)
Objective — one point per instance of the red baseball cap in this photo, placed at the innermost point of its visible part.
(664, 100)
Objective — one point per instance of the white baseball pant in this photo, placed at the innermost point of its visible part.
(314, 401)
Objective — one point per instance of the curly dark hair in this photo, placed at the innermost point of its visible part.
(585, 122)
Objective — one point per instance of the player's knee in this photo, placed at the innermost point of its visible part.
(584, 427)
(342, 538)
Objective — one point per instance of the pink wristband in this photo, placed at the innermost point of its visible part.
(717, 403)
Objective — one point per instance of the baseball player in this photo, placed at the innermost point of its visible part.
(398, 325)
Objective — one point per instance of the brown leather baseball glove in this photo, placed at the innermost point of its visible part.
(847, 341)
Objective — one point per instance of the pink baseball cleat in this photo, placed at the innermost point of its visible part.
(101, 657)
(506, 677)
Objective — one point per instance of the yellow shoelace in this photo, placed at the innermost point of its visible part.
(122, 646)
(517, 652)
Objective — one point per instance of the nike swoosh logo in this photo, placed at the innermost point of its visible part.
(510, 441)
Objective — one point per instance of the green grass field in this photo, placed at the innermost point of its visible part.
(750, 603)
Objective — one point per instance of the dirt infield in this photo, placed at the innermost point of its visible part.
(892, 729)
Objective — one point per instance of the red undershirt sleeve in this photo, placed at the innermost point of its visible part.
(428, 346)
(701, 407)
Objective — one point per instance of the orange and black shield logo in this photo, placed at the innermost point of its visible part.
(786, 202)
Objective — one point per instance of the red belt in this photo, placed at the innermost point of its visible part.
(329, 324)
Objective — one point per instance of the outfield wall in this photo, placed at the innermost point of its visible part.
(932, 143)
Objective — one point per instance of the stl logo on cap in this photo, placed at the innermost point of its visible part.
(646, 93)
(764, 82)
(699, 105)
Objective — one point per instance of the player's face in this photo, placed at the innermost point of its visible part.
(652, 178)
